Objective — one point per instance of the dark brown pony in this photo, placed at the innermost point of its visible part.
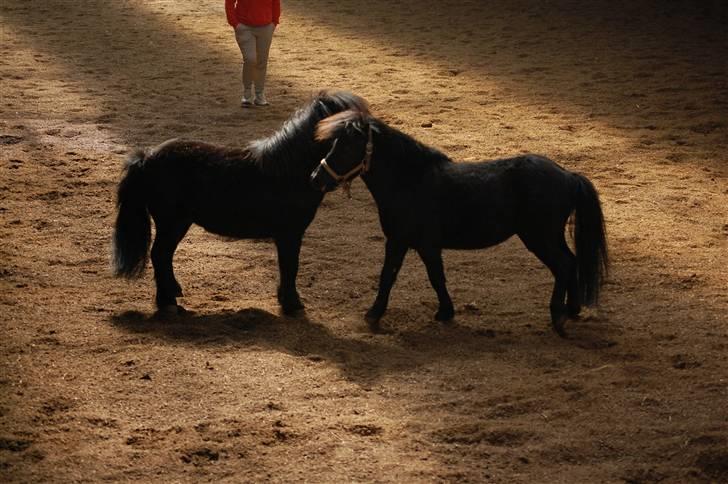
(428, 203)
(261, 191)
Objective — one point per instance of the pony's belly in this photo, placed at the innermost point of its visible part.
(470, 241)
(236, 231)
(255, 219)
(474, 234)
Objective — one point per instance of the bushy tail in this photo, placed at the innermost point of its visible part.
(132, 232)
(591, 242)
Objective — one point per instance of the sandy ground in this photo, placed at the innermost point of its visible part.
(633, 96)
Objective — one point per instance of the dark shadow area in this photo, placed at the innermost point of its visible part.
(362, 358)
(359, 360)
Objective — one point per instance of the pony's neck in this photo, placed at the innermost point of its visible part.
(292, 150)
(398, 161)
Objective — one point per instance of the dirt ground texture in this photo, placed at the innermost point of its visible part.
(632, 94)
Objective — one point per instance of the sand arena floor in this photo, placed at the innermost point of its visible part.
(633, 96)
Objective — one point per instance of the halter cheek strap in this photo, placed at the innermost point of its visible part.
(363, 166)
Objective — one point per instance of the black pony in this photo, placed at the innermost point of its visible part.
(261, 191)
(427, 202)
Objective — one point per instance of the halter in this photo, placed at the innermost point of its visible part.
(363, 166)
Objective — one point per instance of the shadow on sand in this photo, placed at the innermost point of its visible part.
(361, 357)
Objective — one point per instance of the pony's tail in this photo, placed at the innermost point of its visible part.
(591, 242)
(132, 232)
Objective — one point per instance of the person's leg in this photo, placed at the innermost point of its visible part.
(246, 41)
(263, 37)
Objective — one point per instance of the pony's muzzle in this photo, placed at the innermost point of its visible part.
(322, 181)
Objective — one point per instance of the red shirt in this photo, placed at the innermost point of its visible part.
(252, 12)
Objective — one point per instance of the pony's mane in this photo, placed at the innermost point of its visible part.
(400, 148)
(282, 152)
(334, 126)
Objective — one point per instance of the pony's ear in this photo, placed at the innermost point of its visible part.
(330, 127)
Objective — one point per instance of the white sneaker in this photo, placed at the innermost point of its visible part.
(260, 100)
(247, 99)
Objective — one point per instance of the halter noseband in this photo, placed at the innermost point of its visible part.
(359, 169)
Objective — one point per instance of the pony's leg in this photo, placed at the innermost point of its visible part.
(289, 248)
(394, 253)
(573, 298)
(167, 238)
(560, 266)
(436, 273)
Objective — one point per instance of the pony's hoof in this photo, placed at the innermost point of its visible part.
(169, 311)
(290, 303)
(291, 306)
(372, 319)
(374, 325)
(558, 324)
(444, 315)
(293, 311)
(374, 314)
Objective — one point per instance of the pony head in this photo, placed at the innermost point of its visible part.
(350, 134)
